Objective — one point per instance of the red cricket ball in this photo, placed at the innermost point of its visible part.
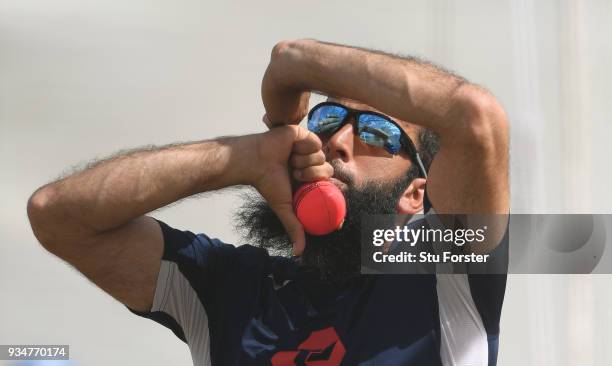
(320, 207)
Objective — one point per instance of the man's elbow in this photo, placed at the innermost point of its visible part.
(484, 123)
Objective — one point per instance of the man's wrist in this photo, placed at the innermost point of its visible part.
(241, 167)
(288, 58)
(308, 65)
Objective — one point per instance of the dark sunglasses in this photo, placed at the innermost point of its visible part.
(372, 128)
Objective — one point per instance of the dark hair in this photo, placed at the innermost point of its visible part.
(428, 145)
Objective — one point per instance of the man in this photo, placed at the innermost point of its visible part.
(242, 306)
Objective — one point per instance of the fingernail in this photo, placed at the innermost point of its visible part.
(294, 251)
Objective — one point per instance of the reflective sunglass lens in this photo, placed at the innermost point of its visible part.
(326, 119)
(377, 131)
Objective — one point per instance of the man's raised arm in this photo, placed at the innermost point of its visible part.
(470, 172)
(95, 219)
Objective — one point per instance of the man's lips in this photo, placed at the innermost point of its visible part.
(337, 182)
(340, 177)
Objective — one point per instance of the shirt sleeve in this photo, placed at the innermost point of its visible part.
(190, 271)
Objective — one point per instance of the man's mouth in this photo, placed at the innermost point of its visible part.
(338, 183)
(340, 177)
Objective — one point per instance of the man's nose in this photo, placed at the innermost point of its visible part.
(340, 144)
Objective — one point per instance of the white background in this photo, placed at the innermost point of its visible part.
(82, 79)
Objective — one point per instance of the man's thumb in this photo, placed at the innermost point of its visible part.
(292, 225)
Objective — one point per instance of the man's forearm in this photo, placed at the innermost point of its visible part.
(405, 88)
(117, 190)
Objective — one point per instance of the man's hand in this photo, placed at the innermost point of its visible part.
(282, 153)
(284, 100)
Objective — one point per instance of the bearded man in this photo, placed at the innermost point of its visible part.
(397, 135)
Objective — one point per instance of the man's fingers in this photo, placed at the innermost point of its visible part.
(313, 173)
(292, 226)
(265, 120)
(299, 161)
(306, 142)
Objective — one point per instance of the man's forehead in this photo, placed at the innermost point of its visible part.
(352, 104)
(410, 128)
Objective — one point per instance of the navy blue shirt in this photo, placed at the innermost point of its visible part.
(241, 306)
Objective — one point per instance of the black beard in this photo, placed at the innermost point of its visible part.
(334, 257)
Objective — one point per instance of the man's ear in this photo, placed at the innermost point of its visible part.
(412, 200)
